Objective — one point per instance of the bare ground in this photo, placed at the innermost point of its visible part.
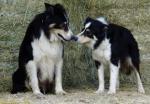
(77, 97)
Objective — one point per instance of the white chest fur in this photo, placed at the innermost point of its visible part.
(43, 47)
(46, 55)
(103, 52)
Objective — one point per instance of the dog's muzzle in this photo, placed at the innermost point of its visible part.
(74, 38)
(62, 37)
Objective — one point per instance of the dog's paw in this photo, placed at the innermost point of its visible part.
(141, 90)
(61, 92)
(111, 92)
(39, 95)
(99, 91)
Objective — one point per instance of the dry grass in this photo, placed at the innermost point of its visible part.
(79, 69)
(77, 97)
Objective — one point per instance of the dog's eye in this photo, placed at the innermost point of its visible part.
(87, 31)
(64, 26)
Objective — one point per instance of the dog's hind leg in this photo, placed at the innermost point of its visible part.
(139, 82)
(135, 59)
(18, 81)
(138, 76)
(132, 64)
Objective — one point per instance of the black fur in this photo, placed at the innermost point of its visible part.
(97, 64)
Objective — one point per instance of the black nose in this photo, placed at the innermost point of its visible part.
(74, 38)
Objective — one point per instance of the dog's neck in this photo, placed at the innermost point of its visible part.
(105, 35)
(54, 37)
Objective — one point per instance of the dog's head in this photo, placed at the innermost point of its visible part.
(94, 30)
(57, 21)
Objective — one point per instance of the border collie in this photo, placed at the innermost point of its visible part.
(113, 45)
(41, 52)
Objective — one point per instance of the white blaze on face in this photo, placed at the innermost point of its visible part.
(81, 37)
(87, 25)
(84, 39)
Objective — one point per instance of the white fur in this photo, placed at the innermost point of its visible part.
(32, 74)
(139, 83)
(103, 20)
(58, 88)
(52, 25)
(101, 79)
(47, 54)
(114, 71)
(103, 52)
(87, 25)
(118, 82)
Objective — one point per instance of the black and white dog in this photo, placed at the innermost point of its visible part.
(113, 45)
(41, 52)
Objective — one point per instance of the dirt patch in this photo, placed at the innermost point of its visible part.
(77, 97)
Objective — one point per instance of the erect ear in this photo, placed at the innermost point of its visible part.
(49, 7)
(59, 8)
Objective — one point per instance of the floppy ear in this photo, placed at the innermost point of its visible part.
(88, 19)
(49, 7)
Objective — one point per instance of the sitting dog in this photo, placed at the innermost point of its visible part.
(112, 45)
(41, 52)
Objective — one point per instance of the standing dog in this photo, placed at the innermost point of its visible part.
(41, 52)
(113, 45)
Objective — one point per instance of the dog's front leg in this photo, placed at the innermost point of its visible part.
(114, 70)
(58, 78)
(100, 79)
(32, 74)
